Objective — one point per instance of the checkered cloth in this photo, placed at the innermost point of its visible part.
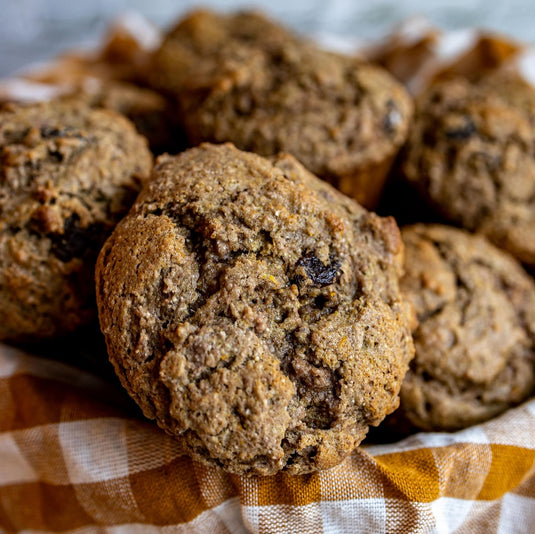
(76, 457)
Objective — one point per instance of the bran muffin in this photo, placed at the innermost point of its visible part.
(153, 115)
(67, 174)
(475, 344)
(471, 154)
(254, 312)
(244, 79)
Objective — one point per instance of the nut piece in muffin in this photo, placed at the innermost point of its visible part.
(244, 79)
(254, 311)
(475, 344)
(471, 154)
(68, 173)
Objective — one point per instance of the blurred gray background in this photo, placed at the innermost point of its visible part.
(34, 30)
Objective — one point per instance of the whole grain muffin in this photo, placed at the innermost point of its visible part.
(254, 311)
(153, 115)
(244, 79)
(475, 344)
(67, 174)
(472, 155)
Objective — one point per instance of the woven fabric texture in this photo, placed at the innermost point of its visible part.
(76, 457)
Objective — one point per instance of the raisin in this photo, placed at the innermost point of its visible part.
(75, 241)
(56, 155)
(319, 273)
(49, 132)
(464, 131)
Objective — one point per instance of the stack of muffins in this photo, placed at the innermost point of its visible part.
(249, 305)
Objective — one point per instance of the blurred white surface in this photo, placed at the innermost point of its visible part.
(35, 30)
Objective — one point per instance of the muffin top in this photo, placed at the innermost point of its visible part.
(153, 115)
(67, 174)
(472, 154)
(201, 35)
(244, 79)
(475, 344)
(254, 311)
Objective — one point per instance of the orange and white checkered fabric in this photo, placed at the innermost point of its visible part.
(77, 458)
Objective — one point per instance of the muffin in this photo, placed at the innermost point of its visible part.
(244, 79)
(475, 344)
(418, 53)
(254, 312)
(153, 115)
(471, 154)
(67, 175)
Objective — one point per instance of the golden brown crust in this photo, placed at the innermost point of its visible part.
(254, 311)
(242, 78)
(67, 174)
(472, 154)
(153, 115)
(475, 344)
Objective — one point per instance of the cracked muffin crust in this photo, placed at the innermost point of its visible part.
(254, 311)
(472, 155)
(475, 344)
(67, 174)
(244, 79)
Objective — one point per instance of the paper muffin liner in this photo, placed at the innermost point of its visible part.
(366, 183)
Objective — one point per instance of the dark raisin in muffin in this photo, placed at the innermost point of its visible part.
(68, 173)
(242, 78)
(254, 311)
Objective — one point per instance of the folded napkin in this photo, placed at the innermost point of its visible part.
(76, 456)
